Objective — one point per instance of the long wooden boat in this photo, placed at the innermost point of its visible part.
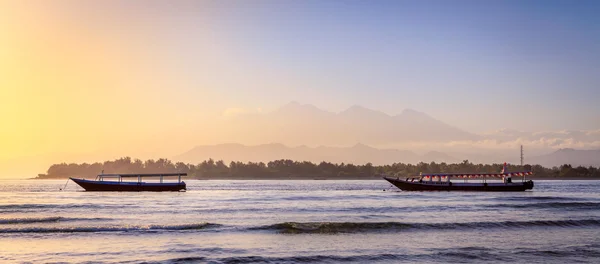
(441, 182)
(117, 184)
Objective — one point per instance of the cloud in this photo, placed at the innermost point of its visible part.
(542, 143)
(593, 133)
(585, 138)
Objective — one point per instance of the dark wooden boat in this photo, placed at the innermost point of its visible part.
(441, 182)
(100, 184)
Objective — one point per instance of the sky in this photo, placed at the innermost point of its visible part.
(100, 79)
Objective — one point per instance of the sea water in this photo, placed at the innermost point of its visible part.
(298, 222)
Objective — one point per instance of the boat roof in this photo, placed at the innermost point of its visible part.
(124, 175)
(472, 175)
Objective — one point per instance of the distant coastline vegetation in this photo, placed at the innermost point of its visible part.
(289, 169)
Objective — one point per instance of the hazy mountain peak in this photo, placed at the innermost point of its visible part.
(361, 146)
(414, 115)
(412, 112)
(295, 107)
(358, 110)
(305, 124)
(270, 146)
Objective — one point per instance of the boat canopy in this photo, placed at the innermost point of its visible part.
(139, 176)
(135, 175)
(477, 175)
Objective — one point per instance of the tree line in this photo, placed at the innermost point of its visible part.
(289, 169)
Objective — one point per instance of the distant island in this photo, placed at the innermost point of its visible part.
(361, 154)
(286, 169)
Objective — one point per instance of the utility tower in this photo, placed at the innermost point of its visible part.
(521, 155)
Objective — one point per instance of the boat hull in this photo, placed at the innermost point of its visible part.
(115, 186)
(450, 186)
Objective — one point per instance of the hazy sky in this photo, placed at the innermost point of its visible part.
(83, 76)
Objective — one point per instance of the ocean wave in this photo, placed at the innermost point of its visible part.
(311, 210)
(292, 259)
(15, 207)
(435, 256)
(584, 252)
(44, 220)
(558, 205)
(184, 260)
(357, 227)
(444, 255)
(92, 229)
(536, 198)
(191, 249)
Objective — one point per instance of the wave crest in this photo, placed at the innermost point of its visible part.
(91, 229)
(557, 205)
(30, 220)
(357, 227)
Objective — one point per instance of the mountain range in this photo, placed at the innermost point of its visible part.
(305, 124)
(368, 135)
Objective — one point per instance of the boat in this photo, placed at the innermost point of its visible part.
(119, 183)
(441, 182)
